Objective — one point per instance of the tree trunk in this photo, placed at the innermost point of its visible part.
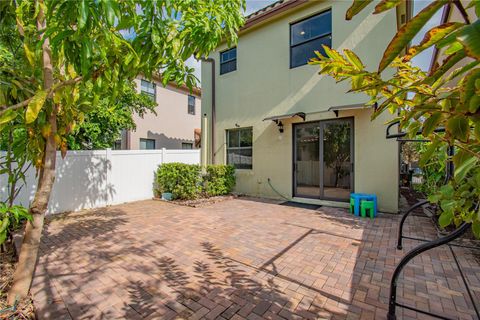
(23, 275)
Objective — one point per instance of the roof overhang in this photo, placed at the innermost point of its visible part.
(277, 119)
(270, 11)
(337, 109)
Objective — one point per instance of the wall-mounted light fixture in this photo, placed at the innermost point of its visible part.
(280, 126)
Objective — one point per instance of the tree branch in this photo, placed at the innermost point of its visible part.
(52, 90)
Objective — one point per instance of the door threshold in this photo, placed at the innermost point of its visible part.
(327, 203)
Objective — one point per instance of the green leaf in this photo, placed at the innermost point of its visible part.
(5, 224)
(385, 5)
(462, 170)
(431, 123)
(458, 127)
(35, 106)
(354, 59)
(476, 229)
(454, 47)
(82, 14)
(470, 38)
(406, 33)
(428, 153)
(356, 7)
(468, 89)
(3, 236)
(8, 116)
(447, 64)
(434, 198)
(445, 218)
(30, 55)
(110, 12)
(447, 191)
(460, 157)
(432, 37)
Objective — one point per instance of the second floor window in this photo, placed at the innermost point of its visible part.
(228, 61)
(239, 148)
(308, 36)
(148, 88)
(191, 105)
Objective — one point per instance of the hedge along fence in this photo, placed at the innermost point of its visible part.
(185, 181)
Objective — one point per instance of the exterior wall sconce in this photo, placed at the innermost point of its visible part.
(280, 126)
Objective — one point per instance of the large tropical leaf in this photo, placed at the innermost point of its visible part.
(470, 38)
(35, 105)
(356, 7)
(432, 37)
(385, 5)
(406, 33)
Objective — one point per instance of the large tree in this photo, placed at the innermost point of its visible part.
(442, 106)
(74, 53)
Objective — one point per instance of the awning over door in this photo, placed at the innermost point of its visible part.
(349, 107)
(276, 119)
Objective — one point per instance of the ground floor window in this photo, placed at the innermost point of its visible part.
(147, 144)
(117, 145)
(187, 145)
(239, 148)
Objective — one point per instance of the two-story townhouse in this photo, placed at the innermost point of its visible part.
(176, 124)
(290, 132)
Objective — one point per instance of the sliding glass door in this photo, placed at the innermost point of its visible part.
(323, 159)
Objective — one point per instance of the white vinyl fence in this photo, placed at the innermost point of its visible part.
(93, 179)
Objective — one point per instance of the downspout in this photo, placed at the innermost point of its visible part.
(212, 145)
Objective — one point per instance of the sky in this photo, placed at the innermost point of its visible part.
(422, 60)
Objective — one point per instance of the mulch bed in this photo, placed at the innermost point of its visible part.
(200, 202)
(24, 308)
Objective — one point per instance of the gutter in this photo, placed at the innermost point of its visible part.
(212, 63)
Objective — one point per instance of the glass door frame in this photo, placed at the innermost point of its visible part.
(321, 124)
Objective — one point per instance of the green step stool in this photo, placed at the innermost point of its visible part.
(367, 205)
(352, 204)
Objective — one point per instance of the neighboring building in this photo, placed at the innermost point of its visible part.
(288, 130)
(176, 124)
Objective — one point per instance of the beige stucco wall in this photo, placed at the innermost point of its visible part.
(172, 125)
(263, 85)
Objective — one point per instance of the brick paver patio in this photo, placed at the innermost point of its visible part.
(237, 259)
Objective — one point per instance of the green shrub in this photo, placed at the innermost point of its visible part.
(219, 180)
(11, 219)
(182, 180)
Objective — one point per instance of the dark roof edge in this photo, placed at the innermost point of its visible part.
(195, 90)
(270, 11)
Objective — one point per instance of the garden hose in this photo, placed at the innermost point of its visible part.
(275, 190)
